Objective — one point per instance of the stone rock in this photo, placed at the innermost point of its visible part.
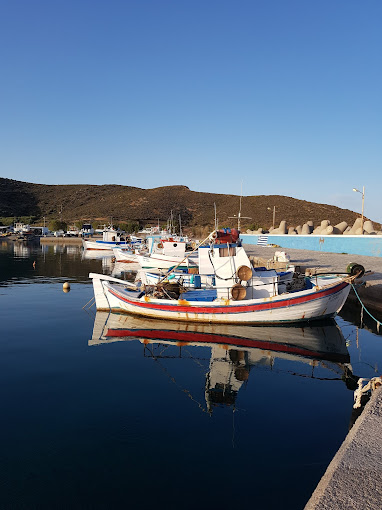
(341, 227)
(357, 225)
(368, 226)
(282, 228)
(325, 223)
(327, 231)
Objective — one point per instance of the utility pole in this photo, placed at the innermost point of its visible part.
(363, 202)
(274, 215)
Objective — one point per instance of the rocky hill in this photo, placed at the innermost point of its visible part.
(122, 203)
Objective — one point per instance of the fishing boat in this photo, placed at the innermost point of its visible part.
(241, 294)
(111, 238)
(127, 255)
(166, 253)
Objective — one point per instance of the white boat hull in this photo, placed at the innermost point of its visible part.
(103, 245)
(126, 255)
(163, 261)
(307, 305)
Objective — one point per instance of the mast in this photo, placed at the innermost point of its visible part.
(180, 226)
(239, 216)
(216, 220)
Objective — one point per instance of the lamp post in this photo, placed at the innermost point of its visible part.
(363, 202)
(274, 215)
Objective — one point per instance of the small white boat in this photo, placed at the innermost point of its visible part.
(126, 255)
(111, 238)
(166, 253)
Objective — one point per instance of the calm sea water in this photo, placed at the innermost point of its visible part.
(104, 411)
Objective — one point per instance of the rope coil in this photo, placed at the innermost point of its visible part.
(373, 384)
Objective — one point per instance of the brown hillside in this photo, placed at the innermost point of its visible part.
(123, 203)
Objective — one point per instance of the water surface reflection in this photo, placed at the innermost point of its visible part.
(207, 416)
(316, 352)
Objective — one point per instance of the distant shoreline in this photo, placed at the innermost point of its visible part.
(60, 240)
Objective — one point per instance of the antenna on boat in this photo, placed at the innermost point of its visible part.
(239, 216)
(170, 223)
(216, 220)
(180, 226)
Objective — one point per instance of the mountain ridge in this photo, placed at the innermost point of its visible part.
(75, 202)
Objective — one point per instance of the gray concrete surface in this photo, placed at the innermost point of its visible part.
(371, 290)
(353, 478)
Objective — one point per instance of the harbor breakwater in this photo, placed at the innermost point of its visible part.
(369, 245)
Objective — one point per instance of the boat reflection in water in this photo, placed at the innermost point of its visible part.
(235, 350)
(105, 256)
(110, 266)
(128, 269)
(21, 250)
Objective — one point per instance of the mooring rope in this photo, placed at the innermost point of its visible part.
(365, 309)
(88, 303)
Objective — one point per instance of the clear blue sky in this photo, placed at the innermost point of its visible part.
(284, 95)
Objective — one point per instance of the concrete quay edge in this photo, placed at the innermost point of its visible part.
(353, 480)
(61, 240)
(369, 288)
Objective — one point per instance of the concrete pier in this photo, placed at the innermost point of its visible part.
(353, 478)
(369, 288)
(61, 240)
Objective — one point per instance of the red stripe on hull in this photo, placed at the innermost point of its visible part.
(234, 309)
(188, 337)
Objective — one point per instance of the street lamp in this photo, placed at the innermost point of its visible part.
(363, 201)
(274, 215)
